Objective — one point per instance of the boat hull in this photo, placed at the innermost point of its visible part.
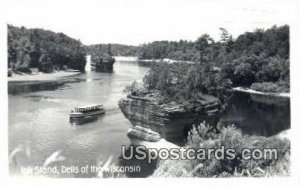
(89, 114)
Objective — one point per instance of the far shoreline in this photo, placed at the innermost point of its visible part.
(251, 91)
(42, 76)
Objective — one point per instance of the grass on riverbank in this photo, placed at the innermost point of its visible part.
(229, 137)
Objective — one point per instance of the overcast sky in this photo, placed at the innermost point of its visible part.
(139, 21)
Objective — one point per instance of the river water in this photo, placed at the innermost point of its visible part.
(39, 119)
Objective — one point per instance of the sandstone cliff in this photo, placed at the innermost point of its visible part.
(171, 120)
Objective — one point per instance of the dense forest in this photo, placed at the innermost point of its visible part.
(47, 51)
(115, 49)
(258, 59)
(44, 50)
(271, 42)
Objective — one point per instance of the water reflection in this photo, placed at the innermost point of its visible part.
(257, 114)
(83, 120)
(21, 87)
(17, 88)
(146, 167)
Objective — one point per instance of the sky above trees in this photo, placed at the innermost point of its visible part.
(138, 21)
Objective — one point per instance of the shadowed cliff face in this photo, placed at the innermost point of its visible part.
(171, 120)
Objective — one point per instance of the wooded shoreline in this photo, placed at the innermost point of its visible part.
(251, 91)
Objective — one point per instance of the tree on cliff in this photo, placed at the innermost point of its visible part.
(109, 50)
(202, 45)
(224, 35)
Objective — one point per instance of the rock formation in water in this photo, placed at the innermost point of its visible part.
(143, 133)
(102, 64)
(101, 57)
(171, 120)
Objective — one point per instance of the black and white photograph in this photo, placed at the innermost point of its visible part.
(149, 89)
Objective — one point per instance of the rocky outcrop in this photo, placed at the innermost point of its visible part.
(143, 133)
(102, 64)
(171, 120)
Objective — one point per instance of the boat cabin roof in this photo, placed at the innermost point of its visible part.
(89, 107)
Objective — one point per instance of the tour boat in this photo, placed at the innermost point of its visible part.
(87, 111)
